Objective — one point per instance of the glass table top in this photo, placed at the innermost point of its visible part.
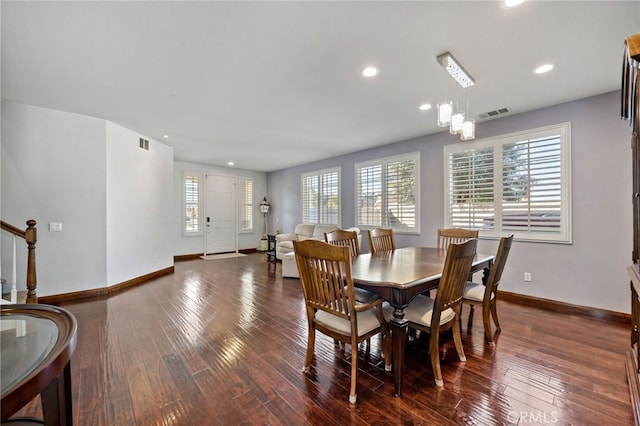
(25, 341)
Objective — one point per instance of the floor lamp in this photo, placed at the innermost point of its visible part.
(264, 209)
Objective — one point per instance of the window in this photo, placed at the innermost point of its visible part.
(387, 193)
(518, 183)
(321, 197)
(246, 204)
(191, 211)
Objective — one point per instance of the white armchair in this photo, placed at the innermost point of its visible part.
(284, 244)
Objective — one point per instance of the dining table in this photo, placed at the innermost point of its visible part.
(398, 276)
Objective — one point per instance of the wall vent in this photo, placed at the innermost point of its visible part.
(494, 113)
(144, 144)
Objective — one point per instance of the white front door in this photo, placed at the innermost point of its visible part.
(220, 214)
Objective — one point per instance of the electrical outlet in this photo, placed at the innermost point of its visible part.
(527, 276)
(55, 226)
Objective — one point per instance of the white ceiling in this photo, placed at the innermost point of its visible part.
(269, 85)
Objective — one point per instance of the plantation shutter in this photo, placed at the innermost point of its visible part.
(321, 197)
(471, 189)
(246, 205)
(387, 192)
(369, 192)
(400, 193)
(539, 211)
(192, 204)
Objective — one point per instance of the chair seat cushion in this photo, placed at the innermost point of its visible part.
(474, 291)
(367, 321)
(419, 311)
(365, 296)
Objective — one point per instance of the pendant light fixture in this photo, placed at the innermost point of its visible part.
(445, 108)
(446, 115)
(468, 131)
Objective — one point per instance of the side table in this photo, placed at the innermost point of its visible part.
(36, 360)
(271, 247)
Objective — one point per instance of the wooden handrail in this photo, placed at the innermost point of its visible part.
(12, 229)
(30, 235)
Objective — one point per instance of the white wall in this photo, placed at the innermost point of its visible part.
(194, 244)
(54, 170)
(589, 272)
(114, 199)
(139, 199)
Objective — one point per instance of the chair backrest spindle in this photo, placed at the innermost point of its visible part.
(381, 239)
(447, 236)
(341, 237)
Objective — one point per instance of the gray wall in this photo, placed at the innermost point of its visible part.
(589, 272)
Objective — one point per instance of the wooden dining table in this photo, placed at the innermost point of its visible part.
(398, 276)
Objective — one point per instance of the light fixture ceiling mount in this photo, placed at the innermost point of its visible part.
(455, 70)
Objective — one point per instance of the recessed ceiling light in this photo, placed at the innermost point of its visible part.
(543, 68)
(230, 163)
(166, 136)
(512, 3)
(370, 71)
(425, 107)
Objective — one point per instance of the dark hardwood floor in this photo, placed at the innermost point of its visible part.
(223, 342)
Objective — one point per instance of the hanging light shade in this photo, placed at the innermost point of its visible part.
(456, 123)
(468, 130)
(445, 110)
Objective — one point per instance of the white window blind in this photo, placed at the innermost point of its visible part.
(471, 189)
(191, 204)
(321, 197)
(246, 205)
(387, 193)
(517, 183)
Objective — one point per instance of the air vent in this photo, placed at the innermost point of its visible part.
(494, 113)
(144, 144)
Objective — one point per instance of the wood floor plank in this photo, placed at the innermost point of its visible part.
(223, 343)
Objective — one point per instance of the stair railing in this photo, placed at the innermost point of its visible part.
(30, 236)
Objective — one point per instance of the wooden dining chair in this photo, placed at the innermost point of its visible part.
(341, 237)
(443, 313)
(381, 239)
(447, 236)
(325, 275)
(486, 295)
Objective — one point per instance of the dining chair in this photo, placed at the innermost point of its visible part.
(486, 295)
(325, 275)
(447, 236)
(442, 313)
(341, 237)
(381, 239)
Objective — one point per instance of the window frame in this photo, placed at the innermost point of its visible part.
(250, 207)
(183, 183)
(319, 174)
(563, 131)
(382, 162)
